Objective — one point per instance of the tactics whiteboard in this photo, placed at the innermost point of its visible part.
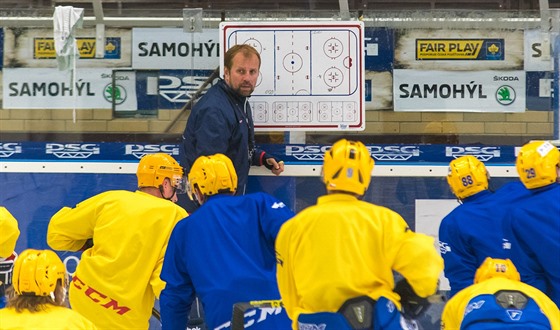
(311, 73)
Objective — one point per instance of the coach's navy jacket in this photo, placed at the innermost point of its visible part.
(221, 122)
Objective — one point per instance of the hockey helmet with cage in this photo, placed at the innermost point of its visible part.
(36, 273)
(347, 167)
(467, 176)
(154, 168)
(537, 164)
(493, 267)
(212, 175)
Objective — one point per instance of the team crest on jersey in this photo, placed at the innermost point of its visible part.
(514, 314)
(278, 205)
(390, 306)
(444, 247)
(474, 305)
(311, 326)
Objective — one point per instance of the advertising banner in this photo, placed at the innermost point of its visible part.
(458, 50)
(43, 48)
(34, 48)
(474, 91)
(539, 65)
(379, 49)
(45, 88)
(539, 90)
(301, 154)
(171, 48)
(538, 50)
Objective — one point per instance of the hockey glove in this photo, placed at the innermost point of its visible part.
(413, 306)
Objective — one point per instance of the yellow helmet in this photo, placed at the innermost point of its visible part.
(536, 164)
(154, 168)
(492, 267)
(212, 175)
(347, 167)
(467, 176)
(36, 272)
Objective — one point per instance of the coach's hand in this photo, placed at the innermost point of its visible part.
(274, 165)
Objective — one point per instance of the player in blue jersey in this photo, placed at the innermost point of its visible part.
(473, 230)
(533, 225)
(498, 300)
(224, 252)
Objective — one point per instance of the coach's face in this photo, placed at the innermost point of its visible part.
(242, 77)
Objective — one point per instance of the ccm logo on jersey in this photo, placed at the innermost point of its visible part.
(264, 313)
(98, 297)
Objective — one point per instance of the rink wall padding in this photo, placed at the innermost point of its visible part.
(39, 178)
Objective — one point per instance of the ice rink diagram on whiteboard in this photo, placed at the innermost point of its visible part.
(311, 74)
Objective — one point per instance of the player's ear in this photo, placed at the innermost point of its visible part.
(199, 196)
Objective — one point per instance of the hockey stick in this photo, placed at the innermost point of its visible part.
(156, 314)
(193, 98)
(239, 309)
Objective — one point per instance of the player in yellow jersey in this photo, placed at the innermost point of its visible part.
(117, 280)
(499, 300)
(37, 299)
(338, 257)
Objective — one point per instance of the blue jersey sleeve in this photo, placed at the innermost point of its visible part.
(460, 263)
(178, 295)
(533, 227)
(273, 214)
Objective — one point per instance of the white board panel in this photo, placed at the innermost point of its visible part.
(311, 73)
